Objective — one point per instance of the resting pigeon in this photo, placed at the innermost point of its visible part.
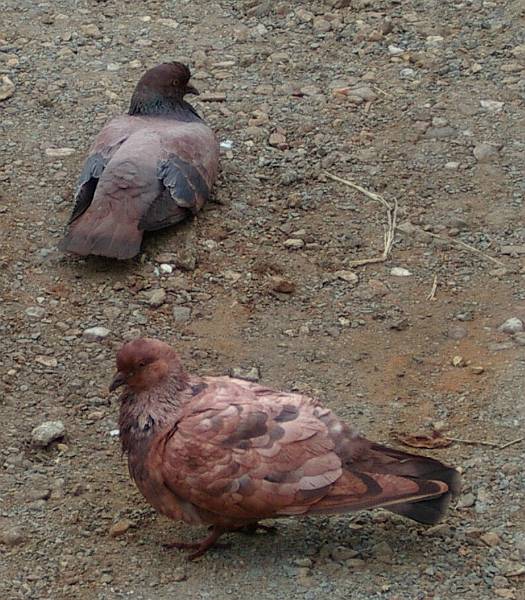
(227, 453)
(146, 170)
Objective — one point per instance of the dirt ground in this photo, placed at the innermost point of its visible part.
(419, 100)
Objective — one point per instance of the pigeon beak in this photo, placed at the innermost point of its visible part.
(118, 380)
(191, 90)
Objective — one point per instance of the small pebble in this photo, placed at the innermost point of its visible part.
(490, 538)
(182, 314)
(155, 298)
(36, 312)
(466, 500)
(120, 527)
(282, 285)
(294, 243)
(12, 536)
(512, 325)
(348, 276)
(59, 152)
(96, 333)
(303, 562)
(7, 88)
(342, 553)
(249, 374)
(407, 73)
(46, 433)
(458, 361)
(46, 361)
(400, 272)
(491, 105)
(485, 152)
(166, 269)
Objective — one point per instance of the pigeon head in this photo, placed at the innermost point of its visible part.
(161, 89)
(144, 363)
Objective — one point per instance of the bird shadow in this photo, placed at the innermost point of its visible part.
(312, 537)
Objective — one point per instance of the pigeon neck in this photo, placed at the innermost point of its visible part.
(158, 105)
(145, 413)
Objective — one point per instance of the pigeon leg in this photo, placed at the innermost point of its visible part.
(200, 547)
(252, 528)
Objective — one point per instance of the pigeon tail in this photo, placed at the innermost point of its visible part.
(120, 240)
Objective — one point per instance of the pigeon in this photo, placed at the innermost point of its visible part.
(227, 453)
(145, 171)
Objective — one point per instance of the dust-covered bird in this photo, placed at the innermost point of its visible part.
(146, 170)
(228, 453)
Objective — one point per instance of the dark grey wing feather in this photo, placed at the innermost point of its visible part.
(87, 183)
(184, 182)
(184, 193)
(162, 213)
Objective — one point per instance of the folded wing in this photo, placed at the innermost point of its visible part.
(246, 453)
(142, 174)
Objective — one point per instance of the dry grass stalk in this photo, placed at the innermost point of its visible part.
(432, 295)
(391, 213)
(463, 245)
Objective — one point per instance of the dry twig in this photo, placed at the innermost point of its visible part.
(378, 89)
(391, 213)
(516, 441)
(392, 226)
(432, 295)
(487, 443)
(474, 442)
(462, 245)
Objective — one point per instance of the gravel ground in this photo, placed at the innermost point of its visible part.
(420, 100)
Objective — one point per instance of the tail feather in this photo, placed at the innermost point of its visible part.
(420, 469)
(106, 238)
(416, 487)
(428, 512)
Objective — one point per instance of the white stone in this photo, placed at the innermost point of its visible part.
(294, 243)
(434, 41)
(166, 269)
(36, 312)
(7, 87)
(395, 50)
(59, 152)
(96, 333)
(512, 325)
(491, 105)
(46, 361)
(400, 272)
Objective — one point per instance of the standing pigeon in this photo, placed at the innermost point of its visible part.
(146, 170)
(227, 453)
